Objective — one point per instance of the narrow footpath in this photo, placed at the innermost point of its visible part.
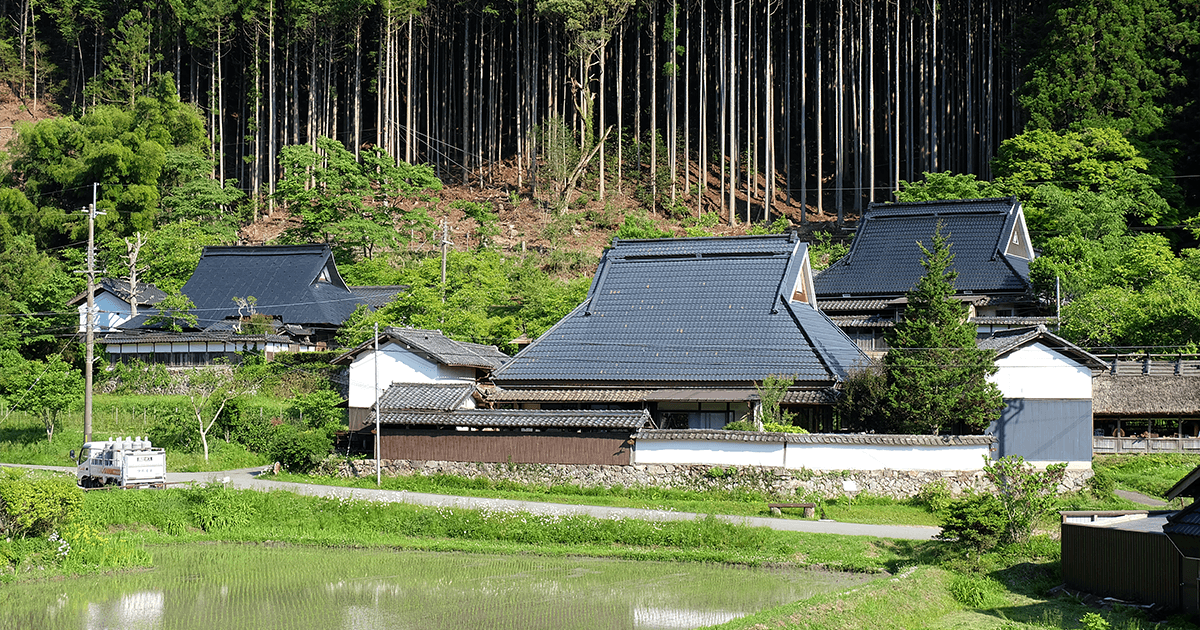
(247, 478)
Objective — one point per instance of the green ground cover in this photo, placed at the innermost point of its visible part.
(861, 509)
(23, 436)
(1151, 474)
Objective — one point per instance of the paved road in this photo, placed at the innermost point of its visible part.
(248, 478)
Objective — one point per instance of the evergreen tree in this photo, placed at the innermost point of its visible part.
(937, 376)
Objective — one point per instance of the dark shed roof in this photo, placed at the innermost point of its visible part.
(435, 346)
(884, 259)
(1005, 342)
(298, 284)
(148, 294)
(425, 396)
(520, 418)
(668, 312)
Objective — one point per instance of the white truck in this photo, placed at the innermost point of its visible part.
(127, 463)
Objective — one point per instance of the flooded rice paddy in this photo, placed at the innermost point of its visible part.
(250, 586)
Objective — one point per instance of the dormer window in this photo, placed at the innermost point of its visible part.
(324, 277)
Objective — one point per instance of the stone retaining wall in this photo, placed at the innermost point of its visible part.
(778, 482)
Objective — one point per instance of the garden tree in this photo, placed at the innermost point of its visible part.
(936, 375)
(210, 389)
(174, 312)
(861, 407)
(1024, 492)
(47, 388)
(346, 201)
(770, 394)
(57, 160)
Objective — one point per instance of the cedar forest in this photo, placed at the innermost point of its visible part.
(535, 131)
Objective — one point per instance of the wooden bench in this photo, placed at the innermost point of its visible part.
(810, 509)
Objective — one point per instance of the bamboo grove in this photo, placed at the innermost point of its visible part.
(823, 104)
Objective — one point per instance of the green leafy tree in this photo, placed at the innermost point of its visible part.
(127, 63)
(939, 186)
(349, 202)
(123, 149)
(34, 290)
(770, 394)
(1106, 63)
(174, 312)
(47, 389)
(937, 377)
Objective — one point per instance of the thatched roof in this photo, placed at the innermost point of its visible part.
(1146, 396)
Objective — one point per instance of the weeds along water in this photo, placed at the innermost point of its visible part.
(217, 513)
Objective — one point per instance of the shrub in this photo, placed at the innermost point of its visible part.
(217, 508)
(640, 225)
(1101, 485)
(300, 450)
(1024, 492)
(30, 507)
(976, 522)
(934, 496)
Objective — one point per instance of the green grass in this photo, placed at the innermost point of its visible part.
(1151, 474)
(23, 436)
(870, 510)
(219, 514)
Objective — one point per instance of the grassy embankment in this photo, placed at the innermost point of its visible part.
(23, 436)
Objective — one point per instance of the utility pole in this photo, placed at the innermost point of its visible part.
(445, 249)
(378, 450)
(91, 316)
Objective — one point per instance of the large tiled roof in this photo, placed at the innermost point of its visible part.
(435, 346)
(680, 312)
(297, 284)
(885, 260)
(425, 396)
(798, 397)
(378, 296)
(519, 419)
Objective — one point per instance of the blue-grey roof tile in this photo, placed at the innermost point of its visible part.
(703, 310)
(885, 260)
(520, 418)
(425, 396)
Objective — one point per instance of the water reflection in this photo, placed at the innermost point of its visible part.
(220, 586)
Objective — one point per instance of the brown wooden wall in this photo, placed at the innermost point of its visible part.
(1137, 566)
(507, 446)
(358, 417)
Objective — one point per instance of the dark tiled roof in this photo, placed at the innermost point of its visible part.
(795, 397)
(1013, 321)
(836, 306)
(520, 418)
(815, 438)
(378, 296)
(425, 396)
(148, 294)
(1185, 522)
(670, 312)
(297, 284)
(435, 346)
(1007, 341)
(1185, 487)
(884, 258)
(151, 335)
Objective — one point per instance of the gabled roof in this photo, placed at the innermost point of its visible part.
(425, 396)
(434, 346)
(885, 260)
(298, 284)
(1005, 342)
(519, 418)
(148, 294)
(690, 312)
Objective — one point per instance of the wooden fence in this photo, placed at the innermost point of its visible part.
(1104, 445)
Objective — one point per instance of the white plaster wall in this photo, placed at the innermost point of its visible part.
(397, 365)
(874, 457)
(110, 312)
(810, 456)
(1038, 372)
(711, 452)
